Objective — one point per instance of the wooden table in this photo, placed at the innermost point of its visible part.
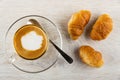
(59, 11)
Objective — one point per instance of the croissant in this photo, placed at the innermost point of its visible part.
(102, 28)
(77, 23)
(91, 57)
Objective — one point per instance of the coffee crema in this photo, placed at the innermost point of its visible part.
(27, 53)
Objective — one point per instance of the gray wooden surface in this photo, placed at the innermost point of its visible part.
(59, 11)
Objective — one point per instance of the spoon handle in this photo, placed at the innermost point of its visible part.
(66, 57)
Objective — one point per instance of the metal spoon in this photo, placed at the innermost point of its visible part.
(66, 57)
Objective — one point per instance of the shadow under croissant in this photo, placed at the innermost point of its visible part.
(89, 27)
(78, 59)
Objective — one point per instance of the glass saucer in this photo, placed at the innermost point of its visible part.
(45, 61)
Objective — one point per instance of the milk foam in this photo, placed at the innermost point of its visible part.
(32, 41)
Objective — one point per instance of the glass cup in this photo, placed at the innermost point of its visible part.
(47, 59)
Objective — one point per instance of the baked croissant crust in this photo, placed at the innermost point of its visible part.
(91, 57)
(77, 23)
(102, 28)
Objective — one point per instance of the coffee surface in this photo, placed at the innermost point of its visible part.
(30, 42)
